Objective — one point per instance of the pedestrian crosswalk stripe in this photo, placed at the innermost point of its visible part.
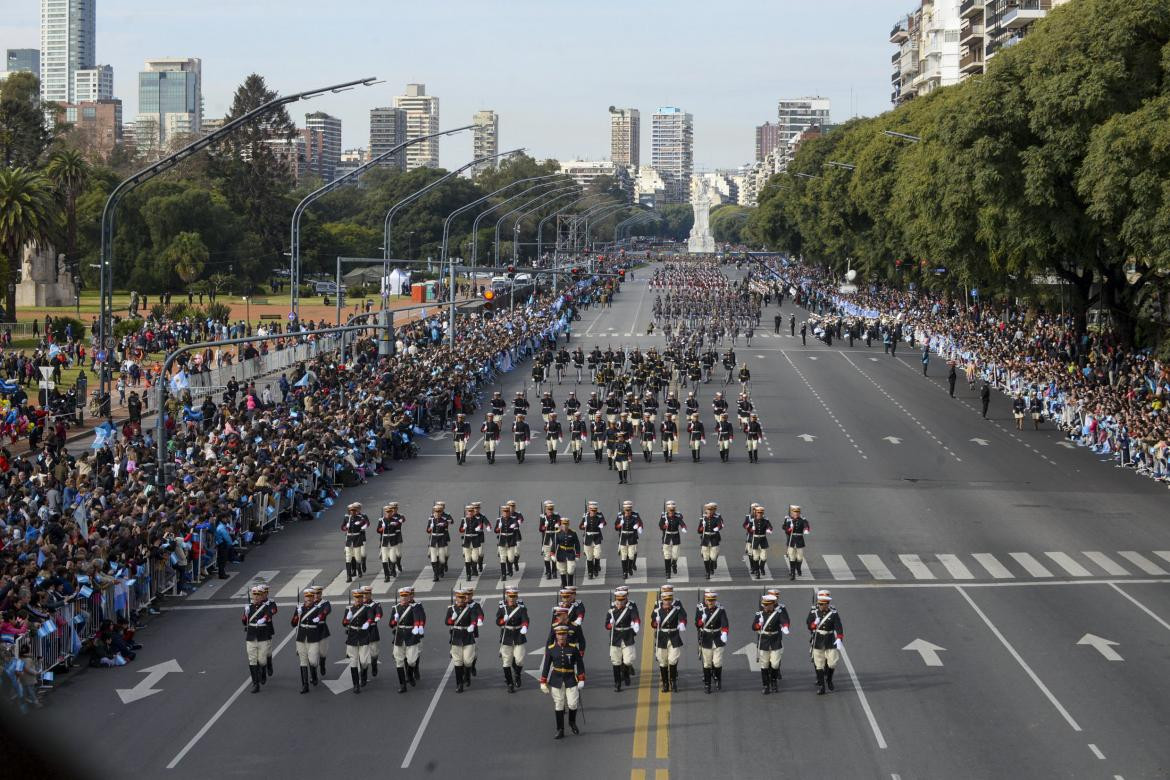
(917, 568)
(1066, 562)
(259, 578)
(1105, 562)
(382, 588)
(338, 586)
(993, 566)
(639, 576)
(955, 567)
(877, 569)
(1163, 554)
(1031, 565)
(292, 588)
(838, 567)
(1142, 562)
(514, 580)
(425, 582)
(722, 573)
(684, 571)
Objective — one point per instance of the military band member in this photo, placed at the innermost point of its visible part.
(562, 673)
(698, 437)
(597, 434)
(439, 537)
(354, 527)
(650, 408)
(710, 535)
(719, 405)
(578, 433)
(771, 626)
(726, 432)
(512, 618)
(507, 530)
(390, 540)
(795, 529)
(827, 638)
(672, 403)
(755, 434)
(462, 622)
(461, 431)
(472, 544)
(593, 405)
(669, 432)
(550, 522)
(669, 622)
(672, 526)
(613, 408)
(622, 454)
(258, 632)
(307, 621)
(357, 621)
(692, 404)
(408, 620)
(757, 526)
(375, 610)
(491, 437)
(553, 434)
(592, 523)
(712, 625)
(521, 435)
(623, 624)
(567, 548)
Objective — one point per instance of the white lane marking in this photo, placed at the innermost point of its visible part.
(1030, 564)
(478, 442)
(993, 566)
(1096, 751)
(838, 567)
(1105, 562)
(379, 587)
(425, 582)
(825, 406)
(1163, 554)
(1066, 562)
(873, 724)
(211, 589)
(259, 578)
(223, 708)
(639, 576)
(338, 586)
(422, 726)
(638, 311)
(1141, 606)
(877, 569)
(1142, 562)
(955, 567)
(919, 569)
(293, 587)
(1019, 659)
(722, 573)
(684, 571)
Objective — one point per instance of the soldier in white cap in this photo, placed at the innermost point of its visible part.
(354, 527)
(669, 621)
(409, 623)
(507, 530)
(357, 622)
(464, 626)
(461, 431)
(307, 618)
(628, 526)
(758, 526)
(592, 523)
(771, 625)
(712, 626)
(672, 526)
(512, 618)
(390, 540)
(623, 624)
(827, 638)
(258, 631)
(438, 539)
(709, 530)
(795, 529)
(562, 674)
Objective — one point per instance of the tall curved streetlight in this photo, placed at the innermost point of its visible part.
(548, 199)
(493, 207)
(557, 213)
(538, 199)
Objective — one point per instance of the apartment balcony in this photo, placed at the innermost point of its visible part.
(895, 57)
(970, 8)
(896, 77)
(1024, 13)
(971, 60)
(900, 32)
(970, 29)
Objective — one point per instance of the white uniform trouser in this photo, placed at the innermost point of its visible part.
(552, 444)
(575, 444)
(623, 654)
(724, 444)
(598, 445)
(508, 553)
(696, 444)
(472, 554)
(647, 445)
(390, 553)
(546, 552)
(795, 554)
(592, 551)
(667, 656)
(258, 651)
(511, 655)
(566, 567)
(358, 655)
(753, 445)
(438, 554)
(709, 553)
(823, 658)
(521, 445)
(463, 655)
(712, 656)
(770, 659)
(565, 694)
(758, 553)
(461, 446)
(489, 445)
(628, 552)
(375, 648)
(670, 552)
(354, 553)
(406, 655)
(308, 653)
(670, 445)
(622, 465)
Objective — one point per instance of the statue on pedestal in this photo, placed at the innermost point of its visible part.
(700, 240)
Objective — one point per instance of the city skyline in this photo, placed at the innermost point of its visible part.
(728, 97)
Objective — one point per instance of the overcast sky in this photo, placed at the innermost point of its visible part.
(549, 68)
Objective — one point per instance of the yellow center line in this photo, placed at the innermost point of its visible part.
(642, 711)
(662, 728)
(638, 774)
(661, 774)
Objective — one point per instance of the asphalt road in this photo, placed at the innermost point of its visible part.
(1006, 602)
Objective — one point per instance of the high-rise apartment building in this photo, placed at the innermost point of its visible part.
(323, 144)
(93, 84)
(767, 137)
(625, 129)
(422, 118)
(24, 60)
(672, 152)
(485, 140)
(68, 44)
(387, 130)
(97, 124)
(794, 115)
(929, 50)
(170, 93)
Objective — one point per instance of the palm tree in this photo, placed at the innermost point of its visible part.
(69, 172)
(187, 255)
(27, 213)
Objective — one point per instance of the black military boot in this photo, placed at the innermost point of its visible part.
(829, 677)
(718, 672)
(313, 675)
(365, 676)
(374, 665)
(625, 568)
(573, 722)
(268, 667)
(766, 676)
(666, 565)
(349, 571)
(304, 679)
(626, 670)
(508, 679)
(665, 672)
(617, 678)
(564, 580)
(473, 672)
(517, 674)
(321, 666)
(386, 572)
(706, 680)
(572, 577)
(363, 565)
(415, 675)
(548, 570)
(458, 679)
(800, 568)
(357, 680)
(820, 682)
(401, 679)
(674, 566)
(435, 569)
(707, 568)
(255, 672)
(791, 571)
(263, 675)
(560, 725)
(674, 677)
(753, 566)
(775, 680)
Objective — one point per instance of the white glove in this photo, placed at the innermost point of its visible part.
(316, 620)
(636, 626)
(723, 637)
(543, 688)
(784, 630)
(682, 628)
(580, 684)
(471, 629)
(683, 530)
(839, 645)
(523, 630)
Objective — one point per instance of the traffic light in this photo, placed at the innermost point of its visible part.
(621, 273)
(511, 272)
(489, 302)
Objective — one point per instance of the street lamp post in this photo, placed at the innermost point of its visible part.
(490, 209)
(565, 192)
(904, 136)
(557, 213)
(541, 198)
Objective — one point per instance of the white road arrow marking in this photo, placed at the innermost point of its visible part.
(535, 673)
(812, 357)
(753, 659)
(875, 360)
(808, 437)
(761, 357)
(927, 650)
(1068, 445)
(892, 439)
(437, 436)
(344, 682)
(980, 442)
(145, 687)
(1102, 645)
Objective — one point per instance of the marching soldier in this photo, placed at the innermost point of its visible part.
(578, 433)
(672, 526)
(757, 526)
(611, 439)
(669, 621)
(463, 623)
(258, 632)
(491, 437)
(712, 625)
(693, 404)
(512, 618)
(593, 405)
(483, 526)
(552, 435)
(795, 529)
(498, 404)
(597, 433)
(547, 405)
(572, 404)
(622, 453)
(726, 433)
(698, 437)
(669, 437)
(719, 405)
(578, 362)
(268, 650)
(771, 626)
(550, 521)
(576, 609)
(562, 674)
(462, 432)
(390, 540)
(755, 433)
(357, 621)
(469, 528)
(324, 609)
(743, 409)
(592, 523)
(409, 623)
(568, 547)
(519, 403)
(354, 527)
(507, 530)
(307, 619)
(439, 537)
(827, 638)
(628, 525)
(562, 615)
(648, 436)
(521, 434)
(710, 528)
(623, 624)
(375, 610)
(745, 378)
(672, 403)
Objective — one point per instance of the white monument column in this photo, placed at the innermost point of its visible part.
(700, 240)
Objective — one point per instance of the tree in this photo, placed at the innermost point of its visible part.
(23, 136)
(69, 173)
(727, 222)
(187, 256)
(27, 213)
(678, 219)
